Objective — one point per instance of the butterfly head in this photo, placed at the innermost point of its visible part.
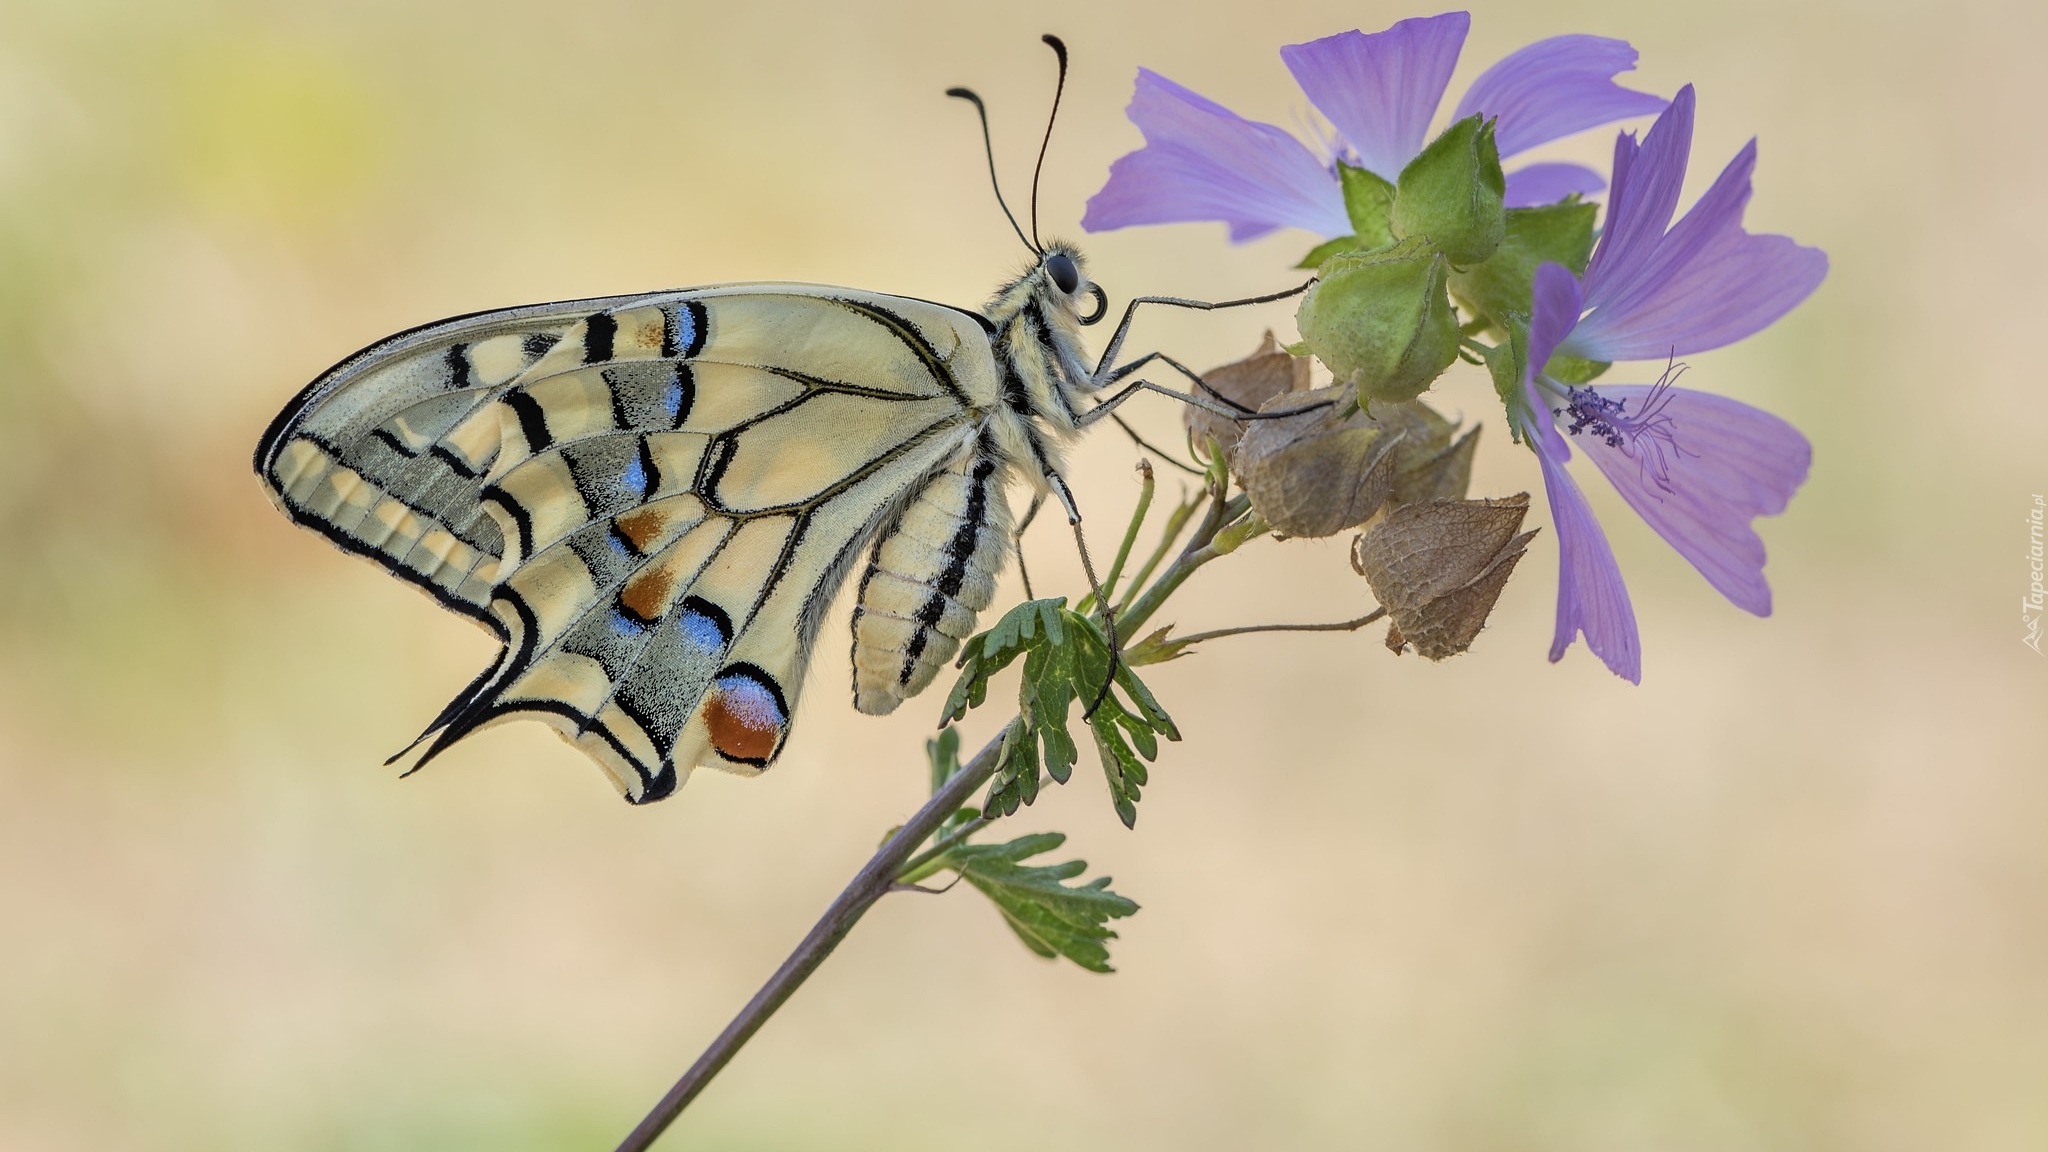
(1059, 282)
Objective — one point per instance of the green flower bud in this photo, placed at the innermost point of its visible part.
(1453, 193)
(1382, 320)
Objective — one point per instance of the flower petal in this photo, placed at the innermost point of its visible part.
(1548, 183)
(1706, 284)
(1647, 179)
(1726, 464)
(1553, 310)
(1201, 161)
(1554, 88)
(1380, 91)
(1591, 597)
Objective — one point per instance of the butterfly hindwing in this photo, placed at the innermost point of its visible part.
(650, 500)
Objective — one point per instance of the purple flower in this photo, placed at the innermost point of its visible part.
(1699, 468)
(1201, 161)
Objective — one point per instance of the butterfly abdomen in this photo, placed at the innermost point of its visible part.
(929, 576)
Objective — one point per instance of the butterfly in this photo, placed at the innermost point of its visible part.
(651, 500)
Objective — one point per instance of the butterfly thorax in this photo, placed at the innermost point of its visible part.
(1038, 343)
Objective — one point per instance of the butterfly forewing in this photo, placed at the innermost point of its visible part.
(651, 500)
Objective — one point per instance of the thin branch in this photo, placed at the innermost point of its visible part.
(1123, 552)
(868, 885)
(901, 886)
(1168, 537)
(1339, 626)
(928, 861)
(1199, 551)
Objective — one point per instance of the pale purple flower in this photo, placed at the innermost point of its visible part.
(1380, 92)
(1699, 468)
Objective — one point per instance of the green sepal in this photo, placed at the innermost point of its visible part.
(1383, 320)
(1329, 248)
(1369, 202)
(1572, 370)
(1454, 193)
(1051, 917)
(1504, 362)
(1553, 234)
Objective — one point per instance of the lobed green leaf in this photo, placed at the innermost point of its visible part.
(1051, 916)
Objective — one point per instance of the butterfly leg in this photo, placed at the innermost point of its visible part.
(1059, 487)
(1017, 540)
(1234, 412)
(1123, 328)
(1163, 454)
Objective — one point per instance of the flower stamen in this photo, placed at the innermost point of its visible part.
(1649, 435)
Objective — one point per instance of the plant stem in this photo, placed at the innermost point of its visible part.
(1339, 626)
(867, 886)
(928, 861)
(1123, 552)
(1175, 522)
(1198, 552)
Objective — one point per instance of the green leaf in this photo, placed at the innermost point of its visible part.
(1555, 234)
(1052, 917)
(943, 751)
(1028, 624)
(1066, 660)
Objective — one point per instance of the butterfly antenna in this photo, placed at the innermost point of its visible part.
(988, 146)
(1059, 49)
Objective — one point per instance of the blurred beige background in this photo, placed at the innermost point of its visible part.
(1792, 893)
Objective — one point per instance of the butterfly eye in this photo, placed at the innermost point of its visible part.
(1064, 275)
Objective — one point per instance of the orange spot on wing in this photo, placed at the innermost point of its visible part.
(741, 727)
(646, 594)
(641, 527)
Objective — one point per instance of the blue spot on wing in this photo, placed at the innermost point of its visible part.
(701, 630)
(686, 327)
(634, 482)
(626, 627)
(752, 701)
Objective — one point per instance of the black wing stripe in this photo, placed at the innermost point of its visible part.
(598, 332)
(912, 339)
(533, 423)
